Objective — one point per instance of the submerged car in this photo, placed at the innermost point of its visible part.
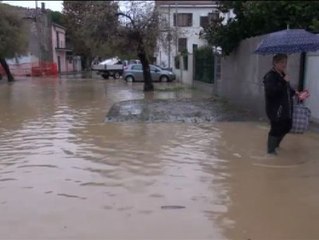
(134, 72)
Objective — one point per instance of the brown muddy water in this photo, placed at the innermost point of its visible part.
(65, 174)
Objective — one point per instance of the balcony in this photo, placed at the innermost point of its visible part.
(63, 48)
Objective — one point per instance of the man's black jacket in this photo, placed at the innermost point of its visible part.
(278, 96)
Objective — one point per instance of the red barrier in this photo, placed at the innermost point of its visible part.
(32, 69)
(44, 69)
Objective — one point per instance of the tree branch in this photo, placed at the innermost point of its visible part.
(149, 21)
(127, 16)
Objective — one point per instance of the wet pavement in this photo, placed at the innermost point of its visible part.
(66, 174)
(175, 110)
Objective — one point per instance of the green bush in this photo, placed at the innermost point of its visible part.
(177, 62)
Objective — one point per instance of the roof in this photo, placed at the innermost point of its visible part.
(184, 3)
(59, 26)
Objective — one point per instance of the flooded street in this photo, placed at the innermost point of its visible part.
(66, 174)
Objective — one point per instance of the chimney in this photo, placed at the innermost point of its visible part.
(42, 6)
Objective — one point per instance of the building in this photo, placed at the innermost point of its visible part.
(47, 53)
(182, 25)
(62, 55)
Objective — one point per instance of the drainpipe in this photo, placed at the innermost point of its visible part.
(181, 66)
(169, 35)
(176, 37)
(176, 44)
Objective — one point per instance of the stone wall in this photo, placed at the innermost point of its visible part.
(242, 75)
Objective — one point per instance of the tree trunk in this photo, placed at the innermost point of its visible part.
(6, 69)
(88, 63)
(83, 62)
(148, 85)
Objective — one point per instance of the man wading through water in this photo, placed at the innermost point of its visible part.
(279, 102)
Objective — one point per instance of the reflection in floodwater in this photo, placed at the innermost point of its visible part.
(64, 173)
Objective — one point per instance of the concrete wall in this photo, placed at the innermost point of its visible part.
(185, 76)
(22, 65)
(40, 41)
(312, 84)
(242, 75)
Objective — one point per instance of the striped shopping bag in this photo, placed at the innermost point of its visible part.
(300, 118)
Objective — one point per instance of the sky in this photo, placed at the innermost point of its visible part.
(53, 5)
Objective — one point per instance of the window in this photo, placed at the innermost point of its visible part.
(204, 21)
(57, 39)
(137, 67)
(153, 68)
(183, 19)
(212, 16)
(182, 44)
(195, 47)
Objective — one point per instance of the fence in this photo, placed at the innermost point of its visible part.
(204, 65)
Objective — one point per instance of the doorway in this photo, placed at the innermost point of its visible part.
(59, 64)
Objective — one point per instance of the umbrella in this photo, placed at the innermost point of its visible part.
(288, 41)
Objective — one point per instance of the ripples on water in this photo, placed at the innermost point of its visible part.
(56, 147)
(69, 167)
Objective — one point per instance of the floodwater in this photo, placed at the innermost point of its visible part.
(65, 174)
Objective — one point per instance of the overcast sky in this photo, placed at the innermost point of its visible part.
(53, 5)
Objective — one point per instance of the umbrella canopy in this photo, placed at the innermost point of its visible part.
(288, 41)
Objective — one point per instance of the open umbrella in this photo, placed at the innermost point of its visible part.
(288, 41)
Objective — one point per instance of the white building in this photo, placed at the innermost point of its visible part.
(184, 21)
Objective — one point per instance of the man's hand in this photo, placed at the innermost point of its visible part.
(287, 78)
(303, 95)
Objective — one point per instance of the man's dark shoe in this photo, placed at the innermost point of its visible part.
(279, 139)
(272, 144)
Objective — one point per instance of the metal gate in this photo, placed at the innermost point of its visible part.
(204, 65)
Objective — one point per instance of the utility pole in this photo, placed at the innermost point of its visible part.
(38, 27)
(176, 24)
(169, 36)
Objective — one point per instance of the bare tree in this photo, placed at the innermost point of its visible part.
(139, 29)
